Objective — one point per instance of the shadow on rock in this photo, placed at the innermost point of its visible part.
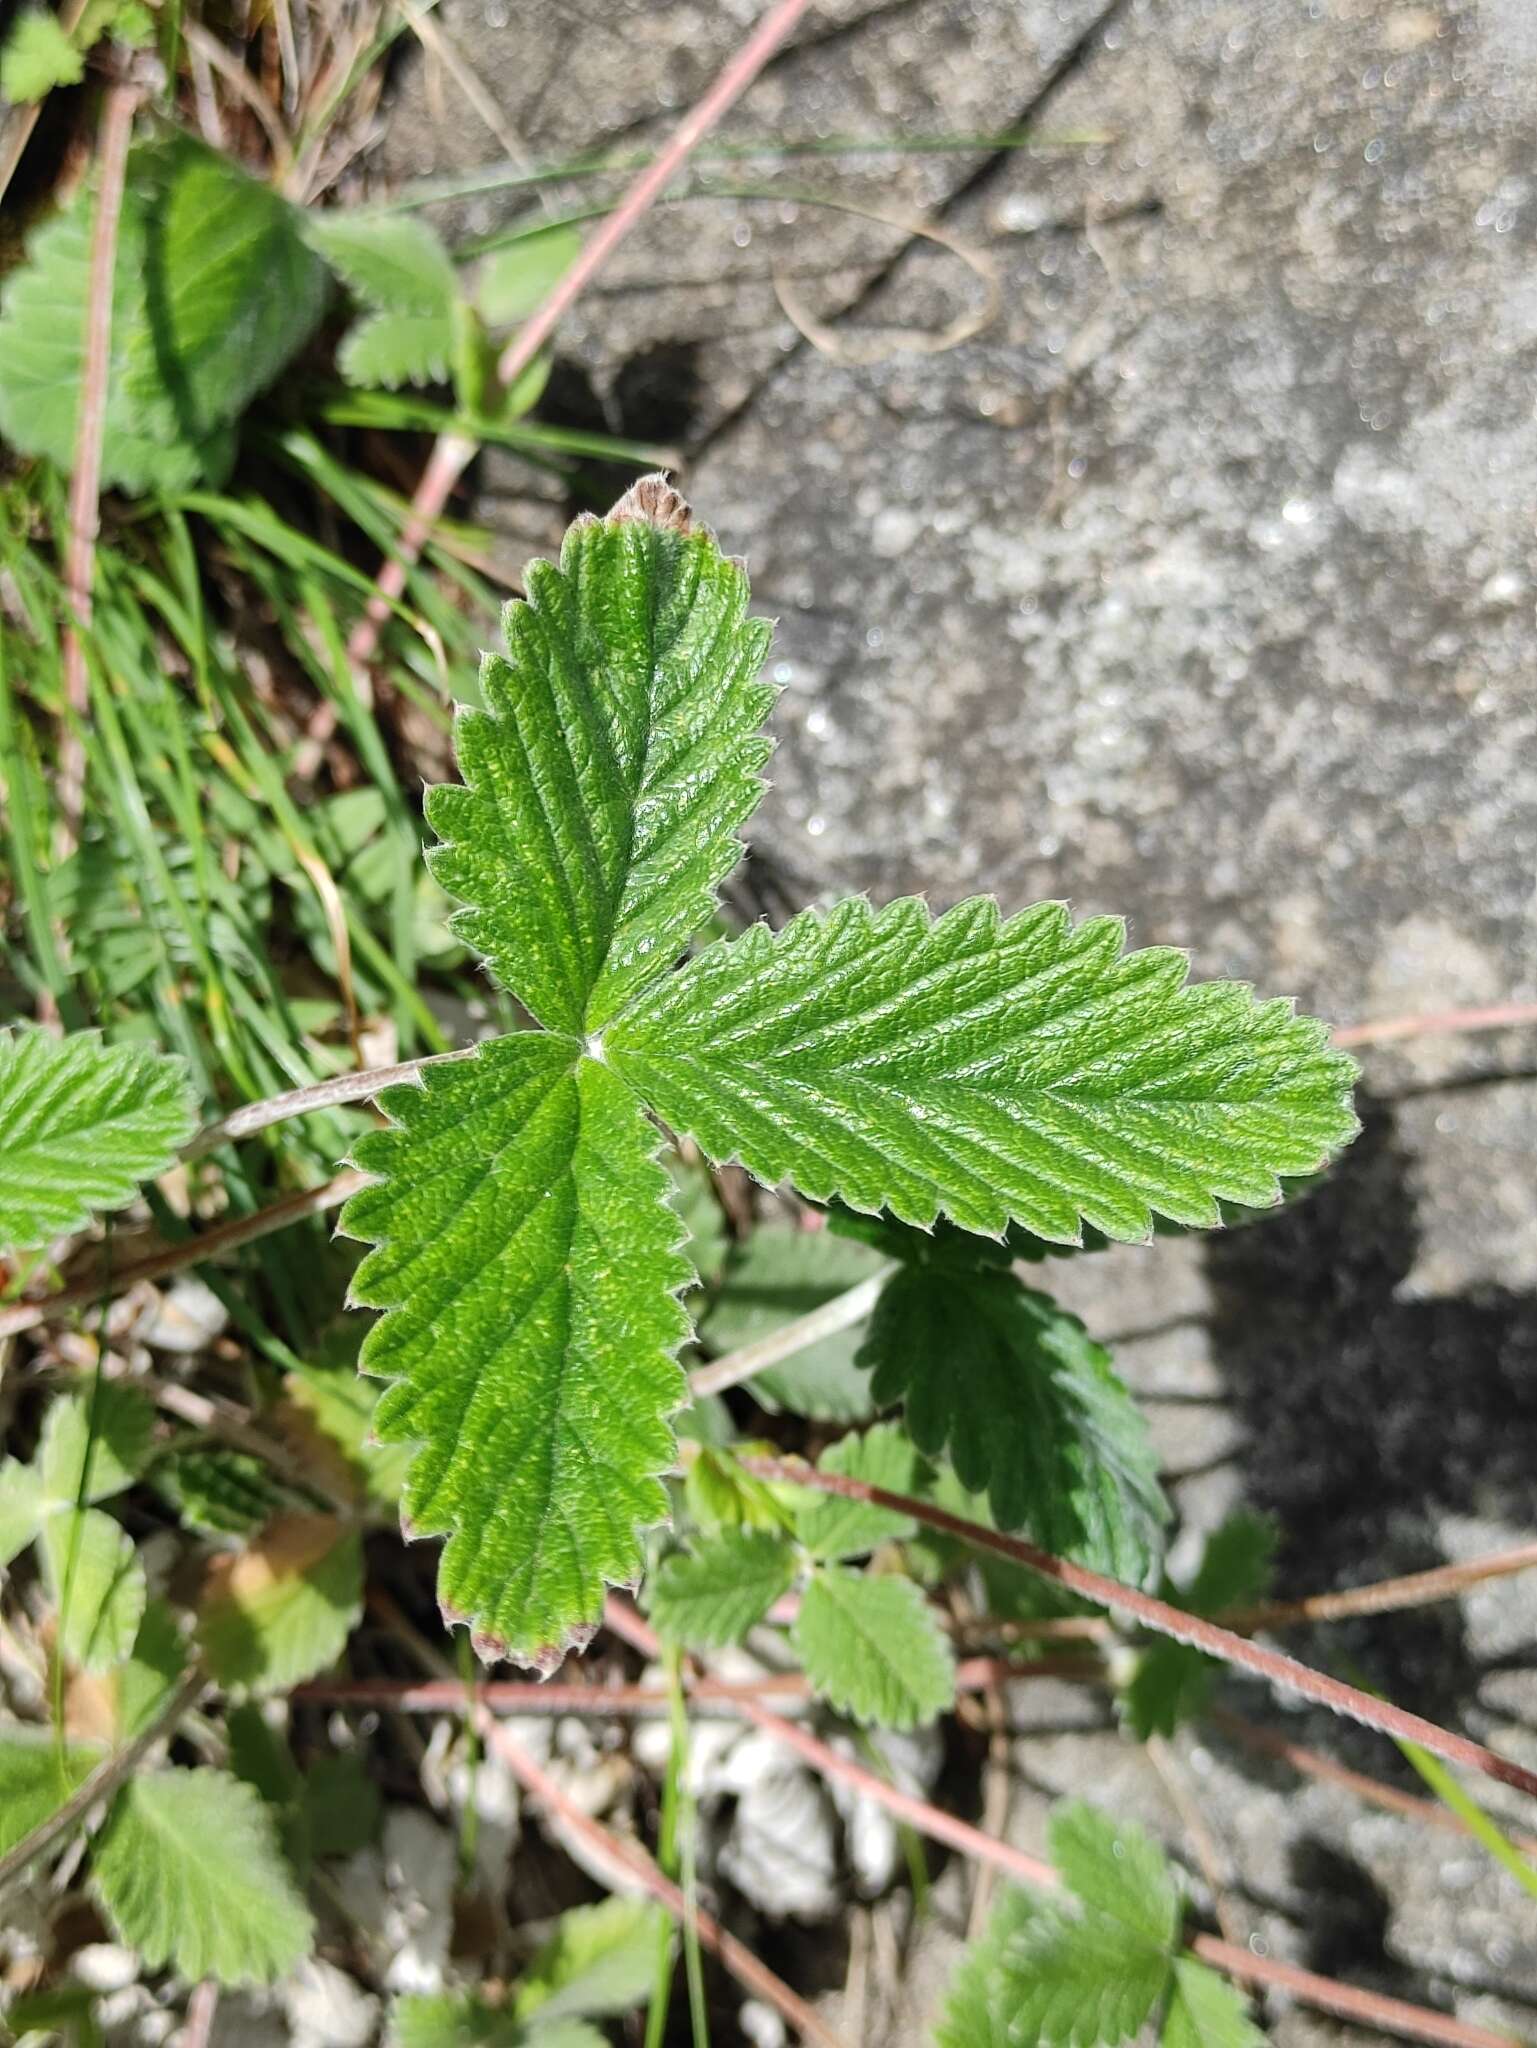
(1369, 1416)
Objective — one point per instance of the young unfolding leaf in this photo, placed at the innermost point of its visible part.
(714, 1594)
(1028, 1408)
(526, 1253)
(94, 1445)
(618, 754)
(987, 1070)
(81, 1125)
(281, 1610)
(832, 1526)
(873, 1650)
(188, 1870)
(219, 1492)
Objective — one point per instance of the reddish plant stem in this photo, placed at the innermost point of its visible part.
(553, 1696)
(90, 427)
(453, 452)
(1384, 1596)
(1271, 1665)
(633, 1866)
(1495, 1017)
(1369, 2008)
(1370, 1790)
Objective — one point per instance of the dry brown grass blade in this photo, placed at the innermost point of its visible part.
(855, 354)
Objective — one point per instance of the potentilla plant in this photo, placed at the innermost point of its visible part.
(975, 1087)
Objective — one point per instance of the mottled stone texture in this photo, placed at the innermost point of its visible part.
(1200, 586)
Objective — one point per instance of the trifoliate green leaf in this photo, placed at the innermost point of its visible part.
(1028, 1409)
(1171, 1683)
(392, 261)
(96, 1585)
(600, 1960)
(1116, 1869)
(281, 1610)
(392, 349)
(95, 1444)
(516, 280)
(617, 756)
(142, 1686)
(1028, 1069)
(832, 1526)
(214, 290)
(1206, 2012)
(36, 1777)
(774, 1277)
(219, 1492)
(873, 1650)
(81, 1123)
(526, 1251)
(714, 1594)
(189, 1872)
(38, 56)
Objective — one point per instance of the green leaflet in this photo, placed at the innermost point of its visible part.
(282, 1608)
(714, 1594)
(36, 1777)
(38, 55)
(1206, 2012)
(188, 1869)
(618, 754)
(600, 1960)
(526, 1253)
(213, 292)
(1028, 1408)
(1048, 1974)
(81, 1125)
(96, 1585)
(986, 1069)
(831, 1525)
(872, 1648)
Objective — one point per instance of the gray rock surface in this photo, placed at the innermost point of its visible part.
(1199, 586)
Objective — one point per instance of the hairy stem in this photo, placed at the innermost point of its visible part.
(1389, 2015)
(1271, 1665)
(85, 479)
